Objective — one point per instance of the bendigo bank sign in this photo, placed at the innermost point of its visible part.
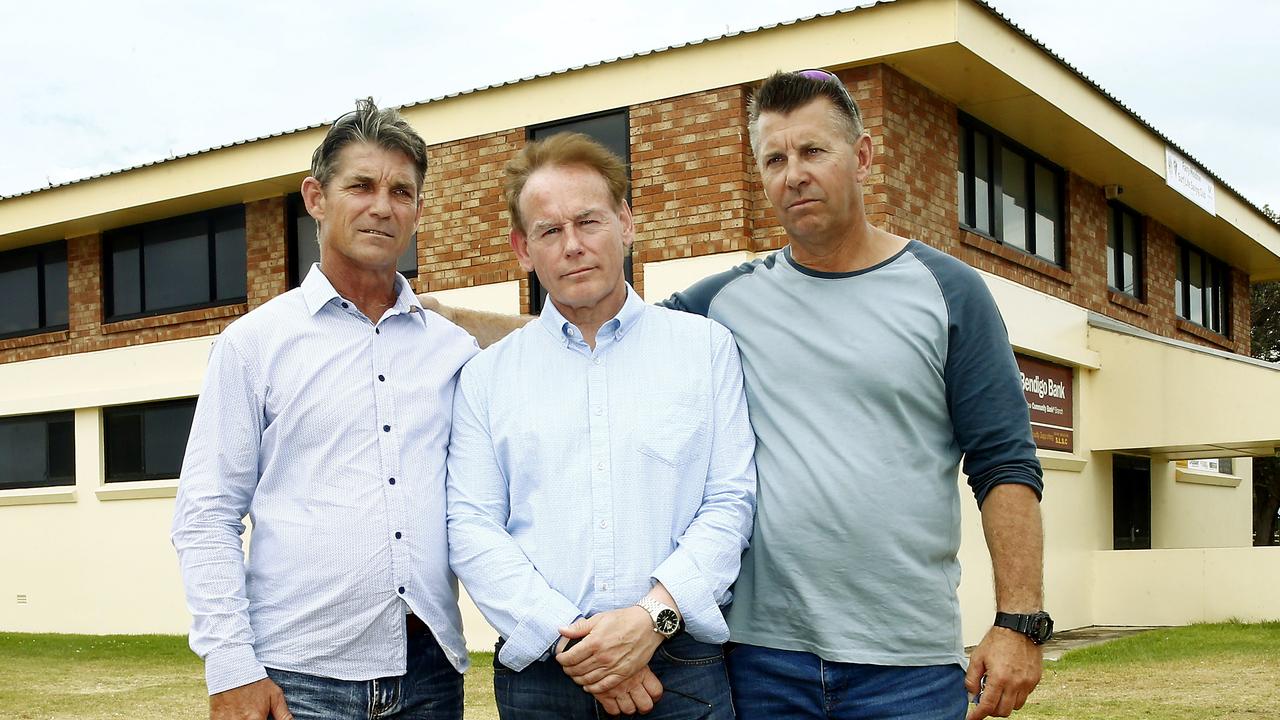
(1048, 389)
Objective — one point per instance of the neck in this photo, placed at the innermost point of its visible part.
(589, 319)
(372, 291)
(862, 247)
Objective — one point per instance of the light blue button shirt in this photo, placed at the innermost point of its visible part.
(577, 477)
(329, 431)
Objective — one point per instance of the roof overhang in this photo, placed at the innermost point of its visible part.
(961, 49)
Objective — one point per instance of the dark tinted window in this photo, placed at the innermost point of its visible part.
(37, 450)
(1124, 251)
(146, 442)
(1201, 288)
(33, 289)
(176, 264)
(1009, 193)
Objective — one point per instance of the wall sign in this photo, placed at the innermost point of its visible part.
(1050, 393)
(1182, 175)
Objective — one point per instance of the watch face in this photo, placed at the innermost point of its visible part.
(667, 622)
(1041, 627)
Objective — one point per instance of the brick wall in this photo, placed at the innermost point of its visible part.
(266, 251)
(912, 191)
(464, 231)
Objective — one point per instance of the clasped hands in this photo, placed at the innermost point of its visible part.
(611, 659)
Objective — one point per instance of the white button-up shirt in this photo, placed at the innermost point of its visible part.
(329, 431)
(577, 478)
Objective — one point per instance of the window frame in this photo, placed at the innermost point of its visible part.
(537, 293)
(1210, 267)
(997, 142)
(41, 252)
(48, 418)
(1115, 254)
(119, 477)
(210, 217)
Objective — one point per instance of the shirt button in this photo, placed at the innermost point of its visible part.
(599, 466)
(604, 586)
(386, 428)
(345, 306)
(604, 524)
(400, 590)
(598, 411)
(382, 378)
(376, 331)
(392, 481)
(595, 361)
(397, 535)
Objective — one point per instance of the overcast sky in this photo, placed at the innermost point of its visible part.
(91, 86)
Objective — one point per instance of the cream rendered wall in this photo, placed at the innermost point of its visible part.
(1177, 587)
(1201, 510)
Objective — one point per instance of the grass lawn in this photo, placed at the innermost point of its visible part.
(1226, 670)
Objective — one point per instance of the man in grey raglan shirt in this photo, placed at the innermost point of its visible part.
(872, 364)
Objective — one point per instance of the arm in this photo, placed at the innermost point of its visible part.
(1011, 662)
(218, 480)
(696, 576)
(505, 585)
(486, 327)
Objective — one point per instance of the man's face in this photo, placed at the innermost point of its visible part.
(368, 211)
(811, 172)
(574, 238)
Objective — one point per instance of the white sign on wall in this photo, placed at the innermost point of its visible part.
(1182, 175)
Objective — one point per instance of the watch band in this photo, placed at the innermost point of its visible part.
(1037, 626)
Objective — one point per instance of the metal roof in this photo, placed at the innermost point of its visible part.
(989, 7)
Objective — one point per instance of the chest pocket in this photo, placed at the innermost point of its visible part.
(677, 428)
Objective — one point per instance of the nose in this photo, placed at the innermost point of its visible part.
(381, 205)
(572, 240)
(797, 174)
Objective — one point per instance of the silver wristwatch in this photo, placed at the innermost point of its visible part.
(666, 621)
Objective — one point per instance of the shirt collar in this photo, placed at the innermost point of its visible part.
(317, 291)
(619, 325)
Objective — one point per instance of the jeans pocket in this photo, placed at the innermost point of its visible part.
(684, 650)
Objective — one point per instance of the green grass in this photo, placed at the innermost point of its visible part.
(1228, 670)
(1224, 670)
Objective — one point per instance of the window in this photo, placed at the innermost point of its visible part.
(146, 442)
(180, 263)
(304, 250)
(1131, 502)
(1124, 251)
(37, 450)
(33, 289)
(609, 129)
(1008, 193)
(1201, 288)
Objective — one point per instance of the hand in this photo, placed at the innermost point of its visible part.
(1012, 665)
(429, 302)
(256, 701)
(615, 645)
(636, 694)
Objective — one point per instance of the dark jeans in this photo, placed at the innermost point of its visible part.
(773, 684)
(694, 686)
(430, 689)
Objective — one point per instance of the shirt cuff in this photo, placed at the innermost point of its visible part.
(537, 630)
(231, 667)
(692, 590)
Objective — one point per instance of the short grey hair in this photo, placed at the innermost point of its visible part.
(786, 92)
(367, 124)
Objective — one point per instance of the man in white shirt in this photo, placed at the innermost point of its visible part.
(601, 481)
(325, 418)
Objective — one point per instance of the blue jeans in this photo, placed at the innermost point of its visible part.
(694, 686)
(430, 689)
(773, 684)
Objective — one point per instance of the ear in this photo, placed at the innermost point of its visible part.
(519, 243)
(313, 198)
(865, 155)
(628, 225)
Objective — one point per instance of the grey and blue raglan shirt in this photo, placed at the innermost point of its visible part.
(865, 390)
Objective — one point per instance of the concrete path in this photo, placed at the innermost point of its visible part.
(1084, 637)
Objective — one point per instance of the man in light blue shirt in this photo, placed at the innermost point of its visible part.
(325, 418)
(600, 474)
